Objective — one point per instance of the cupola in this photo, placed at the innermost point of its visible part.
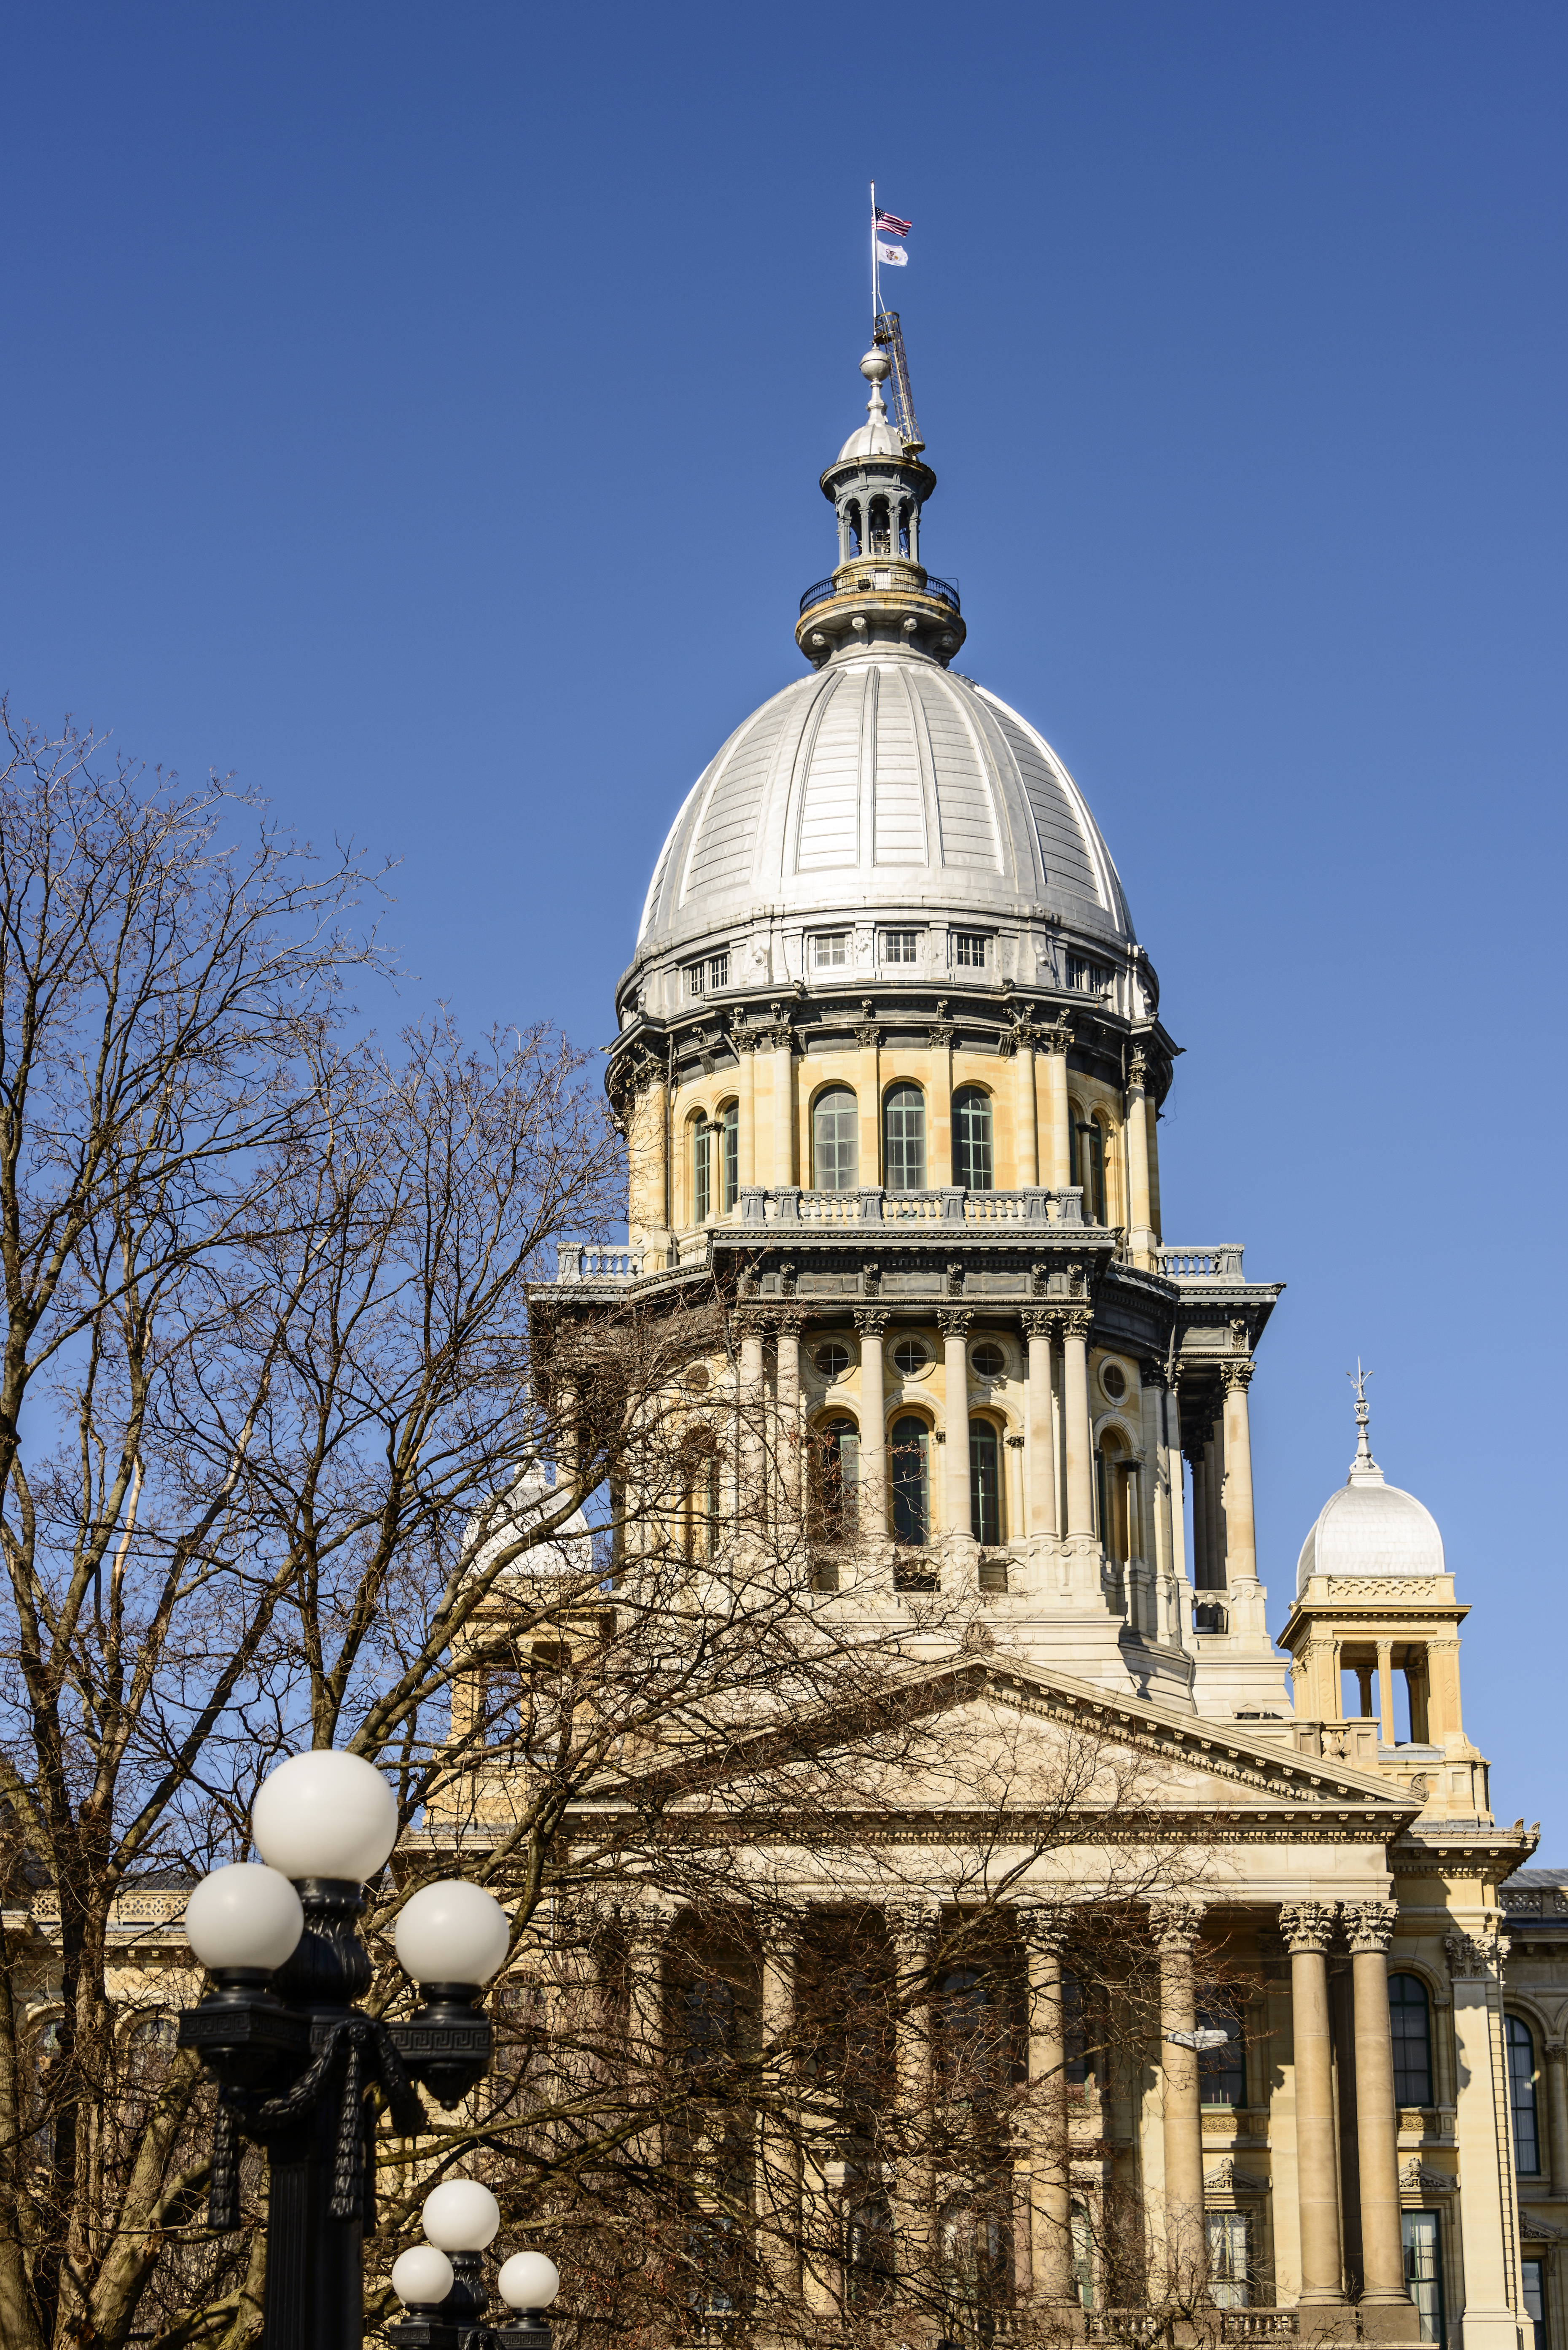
(879, 593)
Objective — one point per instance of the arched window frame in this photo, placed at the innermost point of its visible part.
(896, 1155)
(988, 1526)
(699, 1167)
(727, 1129)
(970, 1148)
(911, 1526)
(819, 1100)
(836, 1474)
(1523, 2104)
(1414, 2076)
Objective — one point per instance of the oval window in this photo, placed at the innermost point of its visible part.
(833, 1361)
(1114, 1381)
(989, 1360)
(910, 1356)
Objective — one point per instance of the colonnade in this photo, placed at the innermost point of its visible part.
(1044, 2146)
(1224, 1536)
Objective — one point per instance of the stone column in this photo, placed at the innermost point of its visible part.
(1493, 2285)
(1026, 1157)
(783, 1059)
(1556, 2052)
(1385, 1691)
(1213, 1504)
(1076, 1411)
(1176, 1925)
(913, 1926)
(1058, 1155)
(753, 1407)
(1042, 1453)
(954, 1325)
(1049, 2219)
(870, 1322)
(1240, 1539)
(1170, 1419)
(645, 1924)
(791, 1440)
(1160, 1550)
(1308, 1927)
(1140, 1236)
(779, 2180)
(1370, 1925)
(745, 1046)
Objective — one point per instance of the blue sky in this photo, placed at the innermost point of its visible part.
(419, 410)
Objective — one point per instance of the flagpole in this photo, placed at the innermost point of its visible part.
(876, 287)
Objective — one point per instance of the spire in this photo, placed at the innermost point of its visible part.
(1363, 1470)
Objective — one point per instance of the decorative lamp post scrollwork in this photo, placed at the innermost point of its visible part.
(294, 2056)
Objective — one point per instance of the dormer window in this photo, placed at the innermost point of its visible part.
(830, 951)
(707, 977)
(1089, 978)
(970, 949)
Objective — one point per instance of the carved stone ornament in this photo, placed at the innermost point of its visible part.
(1137, 1070)
(955, 1280)
(940, 1034)
(1415, 2179)
(871, 1320)
(1041, 1930)
(1078, 1323)
(1370, 1925)
(1226, 2180)
(1038, 1323)
(1475, 1958)
(1176, 1925)
(912, 1923)
(1055, 1039)
(1237, 1374)
(953, 1322)
(744, 1036)
(1308, 1925)
(1151, 1373)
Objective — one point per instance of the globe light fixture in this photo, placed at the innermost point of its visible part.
(325, 1814)
(529, 2281)
(422, 2278)
(243, 1918)
(452, 1932)
(460, 2216)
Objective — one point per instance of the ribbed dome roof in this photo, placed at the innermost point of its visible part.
(1370, 1527)
(889, 781)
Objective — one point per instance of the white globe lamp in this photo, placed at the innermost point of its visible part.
(325, 1814)
(422, 2278)
(460, 2216)
(243, 1916)
(452, 1933)
(529, 2281)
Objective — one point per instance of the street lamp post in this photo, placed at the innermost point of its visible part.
(294, 2057)
(441, 2283)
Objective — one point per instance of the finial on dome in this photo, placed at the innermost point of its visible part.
(876, 367)
(1363, 1466)
(875, 370)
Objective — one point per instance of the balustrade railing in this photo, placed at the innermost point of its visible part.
(1220, 1262)
(583, 1261)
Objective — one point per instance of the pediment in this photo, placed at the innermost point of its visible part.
(983, 1736)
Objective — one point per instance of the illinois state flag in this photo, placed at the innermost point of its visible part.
(891, 256)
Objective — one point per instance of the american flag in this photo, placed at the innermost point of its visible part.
(892, 225)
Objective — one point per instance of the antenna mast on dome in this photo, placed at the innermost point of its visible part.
(888, 335)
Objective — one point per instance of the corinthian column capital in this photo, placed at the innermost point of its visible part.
(1370, 1925)
(1234, 1375)
(1041, 1930)
(1176, 1925)
(1308, 1925)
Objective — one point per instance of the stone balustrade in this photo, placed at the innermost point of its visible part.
(1220, 1262)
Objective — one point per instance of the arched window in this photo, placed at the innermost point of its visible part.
(984, 1483)
(730, 1153)
(837, 1477)
(973, 1164)
(881, 538)
(1410, 2021)
(903, 527)
(904, 1138)
(1111, 1483)
(1075, 2072)
(701, 1171)
(1087, 1155)
(835, 1140)
(852, 515)
(1521, 2096)
(869, 2264)
(974, 2238)
(911, 1481)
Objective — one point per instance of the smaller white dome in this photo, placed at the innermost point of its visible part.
(568, 1551)
(1370, 1527)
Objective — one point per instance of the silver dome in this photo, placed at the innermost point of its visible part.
(1370, 1527)
(889, 782)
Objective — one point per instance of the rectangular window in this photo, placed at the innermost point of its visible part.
(1091, 977)
(1535, 2300)
(1424, 2270)
(830, 951)
(1222, 2072)
(731, 1149)
(900, 946)
(702, 1173)
(969, 949)
(719, 970)
(1230, 2260)
(703, 978)
(696, 978)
